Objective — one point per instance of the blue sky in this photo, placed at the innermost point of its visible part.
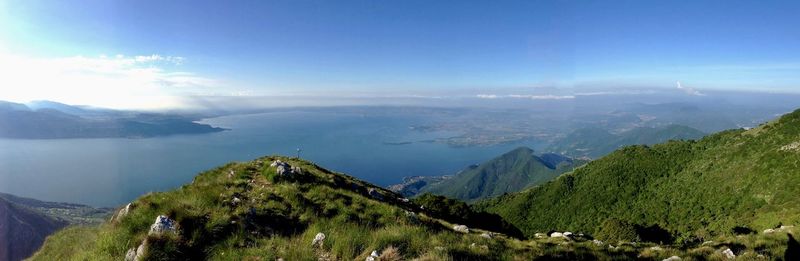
(335, 47)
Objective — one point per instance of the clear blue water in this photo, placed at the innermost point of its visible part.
(110, 172)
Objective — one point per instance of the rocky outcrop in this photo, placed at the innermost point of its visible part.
(163, 225)
(319, 240)
(461, 228)
(728, 253)
(122, 213)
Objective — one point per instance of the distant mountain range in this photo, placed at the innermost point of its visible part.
(25, 223)
(597, 142)
(730, 182)
(510, 172)
(52, 120)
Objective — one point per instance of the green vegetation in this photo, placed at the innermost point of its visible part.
(247, 211)
(692, 190)
(511, 172)
(596, 142)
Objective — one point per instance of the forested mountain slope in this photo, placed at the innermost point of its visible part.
(733, 179)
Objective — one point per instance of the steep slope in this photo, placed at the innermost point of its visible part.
(266, 210)
(248, 211)
(510, 172)
(692, 189)
(596, 142)
(22, 231)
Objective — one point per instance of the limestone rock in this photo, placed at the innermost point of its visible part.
(319, 240)
(373, 256)
(672, 258)
(728, 253)
(163, 225)
(461, 228)
(122, 212)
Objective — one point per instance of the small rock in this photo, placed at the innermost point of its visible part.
(597, 242)
(567, 234)
(373, 256)
(162, 225)
(235, 201)
(785, 227)
(135, 254)
(461, 228)
(231, 174)
(296, 170)
(122, 212)
(275, 163)
(319, 240)
(131, 255)
(375, 194)
(769, 231)
(728, 253)
(487, 235)
(405, 200)
(672, 258)
(540, 235)
(656, 248)
(557, 234)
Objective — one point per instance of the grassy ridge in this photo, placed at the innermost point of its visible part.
(277, 217)
(694, 190)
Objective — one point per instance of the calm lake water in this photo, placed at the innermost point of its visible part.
(111, 172)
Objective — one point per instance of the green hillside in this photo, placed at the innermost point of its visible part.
(247, 211)
(510, 172)
(693, 190)
(596, 142)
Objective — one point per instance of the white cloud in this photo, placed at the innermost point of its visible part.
(689, 90)
(526, 96)
(125, 82)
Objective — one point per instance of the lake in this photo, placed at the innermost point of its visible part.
(111, 172)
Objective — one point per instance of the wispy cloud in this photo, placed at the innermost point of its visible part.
(526, 96)
(689, 90)
(141, 82)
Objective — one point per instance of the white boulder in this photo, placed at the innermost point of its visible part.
(540, 235)
(373, 256)
(557, 234)
(122, 212)
(728, 253)
(461, 228)
(135, 254)
(319, 240)
(163, 225)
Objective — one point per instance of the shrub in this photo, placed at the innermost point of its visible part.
(615, 230)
